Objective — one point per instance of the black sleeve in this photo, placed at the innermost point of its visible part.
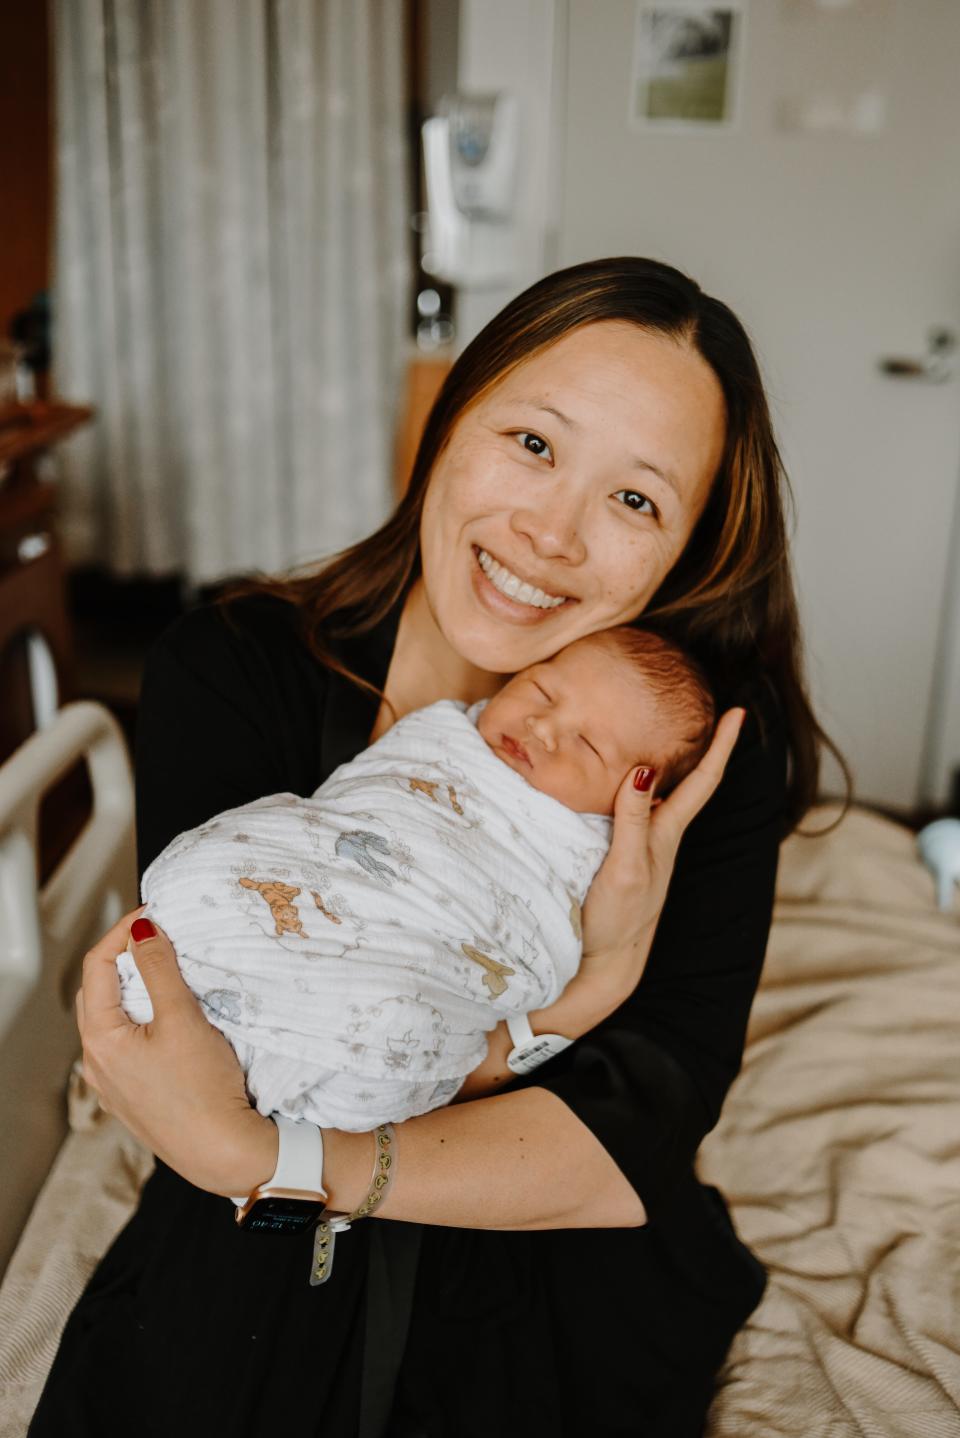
(226, 716)
(650, 1080)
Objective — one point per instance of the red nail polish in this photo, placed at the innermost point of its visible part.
(142, 929)
(643, 779)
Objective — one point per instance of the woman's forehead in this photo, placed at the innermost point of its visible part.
(612, 364)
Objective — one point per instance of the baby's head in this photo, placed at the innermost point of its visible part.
(575, 725)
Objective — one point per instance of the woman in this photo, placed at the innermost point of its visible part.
(549, 1264)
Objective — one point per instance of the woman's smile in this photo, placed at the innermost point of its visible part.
(511, 596)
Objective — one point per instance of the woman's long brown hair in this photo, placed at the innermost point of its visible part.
(730, 597)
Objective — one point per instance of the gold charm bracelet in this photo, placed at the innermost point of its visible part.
(331, 1224)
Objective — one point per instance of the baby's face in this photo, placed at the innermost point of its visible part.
(575, 725)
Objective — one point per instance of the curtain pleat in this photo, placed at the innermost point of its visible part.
(231, 277)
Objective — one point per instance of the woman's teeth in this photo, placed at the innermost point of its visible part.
(513, 587)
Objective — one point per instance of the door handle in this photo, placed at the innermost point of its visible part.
(934, 367)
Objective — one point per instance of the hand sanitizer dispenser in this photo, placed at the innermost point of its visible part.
(470, 153)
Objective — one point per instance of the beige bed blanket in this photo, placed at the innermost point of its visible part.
(839, 1149)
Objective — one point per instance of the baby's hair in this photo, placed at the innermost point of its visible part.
(683, 695)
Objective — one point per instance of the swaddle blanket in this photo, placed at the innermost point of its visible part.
(355, 947)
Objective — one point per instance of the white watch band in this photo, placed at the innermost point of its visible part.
(300, 1160)
(531, 1050)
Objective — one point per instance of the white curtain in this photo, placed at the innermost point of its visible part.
(232, 277)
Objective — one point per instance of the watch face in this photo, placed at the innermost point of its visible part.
(282, 1215)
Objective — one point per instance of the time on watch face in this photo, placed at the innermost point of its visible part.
(282, 1215)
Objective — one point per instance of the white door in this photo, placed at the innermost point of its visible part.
(835, 249)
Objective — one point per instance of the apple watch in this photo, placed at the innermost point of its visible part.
(292, 1200)
(531, 1050)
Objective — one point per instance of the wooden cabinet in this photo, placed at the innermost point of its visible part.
(36, 648)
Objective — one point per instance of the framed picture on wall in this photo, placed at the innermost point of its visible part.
(686, 65)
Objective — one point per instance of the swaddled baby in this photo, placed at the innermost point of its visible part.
(356, 946)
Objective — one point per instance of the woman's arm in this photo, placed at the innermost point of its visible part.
(518, 1160)
(584, 1140)
(591, 996)
(515, 1160)
(511, 1161)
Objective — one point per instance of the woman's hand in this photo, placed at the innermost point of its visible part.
(626, 898)
(174, 1082)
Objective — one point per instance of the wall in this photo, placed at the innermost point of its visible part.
(25, 155)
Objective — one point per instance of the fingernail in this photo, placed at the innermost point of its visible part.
(142, 929)
(643, 778)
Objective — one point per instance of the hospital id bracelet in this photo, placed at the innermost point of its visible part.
(331, 1223)
(531, 1050)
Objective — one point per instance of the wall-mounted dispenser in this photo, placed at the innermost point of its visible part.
(470, 153)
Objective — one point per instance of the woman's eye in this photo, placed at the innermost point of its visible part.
(635, 501)
(533, 444)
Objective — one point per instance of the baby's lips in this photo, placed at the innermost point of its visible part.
(514, 747)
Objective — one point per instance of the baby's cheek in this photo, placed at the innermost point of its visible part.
(485, 720)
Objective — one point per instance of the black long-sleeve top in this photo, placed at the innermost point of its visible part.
(476, 1332)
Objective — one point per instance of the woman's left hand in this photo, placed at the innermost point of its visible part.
(626, 897)
(174, 1082)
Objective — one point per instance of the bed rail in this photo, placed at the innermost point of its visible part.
(44, 933)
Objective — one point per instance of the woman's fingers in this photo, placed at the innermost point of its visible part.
(155, 957)
(98, 1005)
(631, 823)
(690, 795)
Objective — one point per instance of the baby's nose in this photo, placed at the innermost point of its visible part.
(542, 730)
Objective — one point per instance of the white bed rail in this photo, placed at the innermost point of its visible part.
(44, 933)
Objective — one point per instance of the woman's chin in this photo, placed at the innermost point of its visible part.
(501, 648)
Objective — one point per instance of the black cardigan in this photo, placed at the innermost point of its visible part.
(606, 1331)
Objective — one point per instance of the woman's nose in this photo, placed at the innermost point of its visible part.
(542, 731)
(554, 531)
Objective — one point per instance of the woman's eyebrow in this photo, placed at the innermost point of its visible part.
(558, 414)
(637, 462)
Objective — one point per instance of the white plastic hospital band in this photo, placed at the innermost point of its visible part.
(531, 1050)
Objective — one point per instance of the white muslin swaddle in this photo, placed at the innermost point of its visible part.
(357, 946)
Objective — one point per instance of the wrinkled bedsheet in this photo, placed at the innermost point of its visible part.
(839, 1149)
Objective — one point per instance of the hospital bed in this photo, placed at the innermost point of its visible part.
(839, 1146)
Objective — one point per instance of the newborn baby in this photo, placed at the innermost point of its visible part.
(356, 947)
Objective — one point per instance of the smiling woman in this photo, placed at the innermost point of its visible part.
(606, 440)
(601, 452)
